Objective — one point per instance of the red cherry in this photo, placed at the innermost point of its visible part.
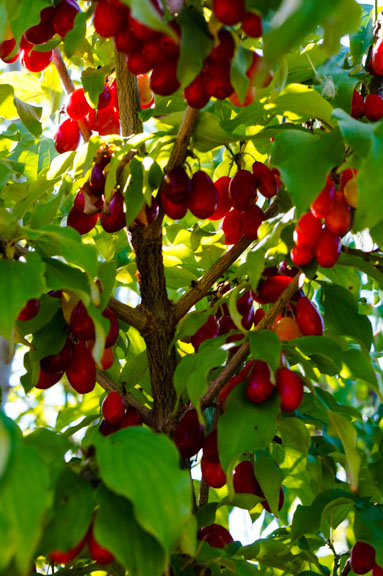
(113, 408)
(224, 50)
(30, 310)
(112, 335)
(36, 61)
(265, 180)
(97, 552)
(67, 137)
(377, 57)
(324, 202)
(140, 30)
(169, 47)
(269, 290)
(152, 52)
(244, 480)
(224, 203)
(362, 557)
(232, 226)
(106, 429)
(377, 570)
(105, 98)
(373, 107)
(302, 255)
(208, 330)
(77, 106)
(251, 220)
(226, 324)
(113, 217)
(309, 320)
(290, 388)
(339, 219)
(43, 31)
(217, 80)
(357, 105)
(64, 15)
(48, 379)
(97, 180)
(259, 386)
(215, 535)
(163, 80)
(107, 359)
(195, 94)
(308, 230)
(252, 24)
(99, 119)
(210, 446)
(60, 557)
(229, 12)
(258, 316)
(327, 250)
(171, 209)
(137, 63)
(212, 473)
(176, 185)
(203, 198)
(109, 19)
(189, 435)
(80, 221)
(6, 48)
(132, 418)
(245, 303)
(81, 323)
(145, 93)
(126, 42)
(58, 362)
(243, 190)
(81, 372)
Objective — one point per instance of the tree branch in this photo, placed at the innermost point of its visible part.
(128, 98)
(178, 153)
(240, 356)
(133, 316)
(375, 257)
(203, 285)
(110, 386)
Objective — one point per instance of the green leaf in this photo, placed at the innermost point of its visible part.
(93, 81)
(240, 64)
(196, 45)
(134, 196)
(145, 12)
(23, 15)
(368, 527)
(318, 153)
(258, 423)
(358, 135)
(149, 476)
(360, 366)
(341, 428)
(320, 348)
(266, 346)
(7, 105)
(294, 434)
(117, 530)
(341, 314)
(269, 477)
(19, 281)
(255, 261)
(30, 116)
(75, 37)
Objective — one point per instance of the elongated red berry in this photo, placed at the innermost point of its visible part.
(171, 209)
(189, 435)
(309, 320)
(212, 473)
(269, 290)
(48, 379)
(67, 137)
(6, 49)
(357, 105)
(81, 323)
(252, 24)
(229, 12)
(232, 226)
(81, 371)
(30, 310)
(64, 15)
(163, 80)
(243, 190)
(327, 250)
(113, 331)
(77, 106)
(302, 255)
(340, 218)
(362, 557)
(195, 93)
(36, 61)
(203, 198)
(176, 185)
(377, 57)
(373, 107)
(259, 386)
(215, 535)
(208, 330)
(308, 230)
(61, 557)
(58, 362)
(108, 19)
(132, 417)
(244, 480)
(324, 202)
(251, 220)
(224, 203)
(113, 408)
(290, 388)
(113, 217)
(265, 180)
(97, 552)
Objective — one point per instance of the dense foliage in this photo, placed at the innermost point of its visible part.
(219, 163)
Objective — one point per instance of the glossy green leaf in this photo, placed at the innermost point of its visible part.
(345, 431)
(368, 527)
(269, 477)
(93, 82)
(266, 346)
(75, 37)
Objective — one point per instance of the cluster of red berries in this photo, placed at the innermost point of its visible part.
(146, 49)
(53, 20)
(363, 559)
(371, 106)
(311, 238)
(75, 359)
(115, 416)
(97, 552)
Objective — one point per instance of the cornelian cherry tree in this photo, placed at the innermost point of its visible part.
(191, 223)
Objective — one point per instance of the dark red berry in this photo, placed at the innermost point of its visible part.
(232, 226)
(357, 104)
(113, 408)
(224, 50)
(48, 379)
(229, 12)
(43, 31)
(58, 362)
(327, 250)
(127, 42)
(81, 323)
(302, 255)
(269, 290)
(224, 203)
(106, 429)
(142, 31)
(324, 202)
(208, 330)
(137, 63)
(362, 557)
(309, 320)
(97, 552)
(217, 80)
(212, 473)
(189, 435)
(36, 61)
(210, 447)
(243, 190)
(176, 185)
(67, 137)
(30, 310)
(308, 230)
(81, 372)
(163, 80)
(259, 386)
(377, 57)
(215, 535)
(244, 480)
(77, 106)
(203, 197)
(171, 209)
(265, 180)
(64, 15)
(251, 221)
(281, 501)
(195, 94)
(340, 217)
(60, 557)
(252, 24)
(99, 119)
(132, 417)
(290, 388)
(113, 217)
(112, 335)
(6, 48)
(108, 19)
(80, 221)
(373, 107)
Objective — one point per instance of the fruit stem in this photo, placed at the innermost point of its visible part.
(68, 85)
(128, 98)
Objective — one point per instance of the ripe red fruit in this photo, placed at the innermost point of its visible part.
(77, 106)
(212, 473)
(302, 255)
(140, 30)
(244, 480)
(67, 137)
(208, 330)
(30, 310)
(58, 362)
(81, 323)
(126, 42)
(324, 202)
(217, 80)
(203, 198)
(97, 552)
(107, 359)
(64, 15)
(105, 98)
(252, 24)
(163, 80)
(113, 408)
(327, 250)
(6, 48)
(377, 57)
(357, 105)
(339, 219)
(215, 535)
(144, 91)
(36, 61)
(113, 217)
(43, 31)
(48, 379)
(113, 332)
(224, 202)
(114, 126)
(137, 63)
(99, 119)
(108, 19)
(107, 429)
(210, 447)
(60, 557)
(176, 185)
(286, 329)
(80, 221)
(373, 107)
(259, 386)
(232, 226)
(245, 303)
(377, 570)
(81, 372)
(224, 50)
(132, 417)
(195, 94)
(97, 180)
(265, 180)
(308, 230)
(243, 190)
(362, 557)
(251, 220)
(171, 209)
(229, 12)
(290, 388)
(189, 435)
(269, 290)
(309, 320)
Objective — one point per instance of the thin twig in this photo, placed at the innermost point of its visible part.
(178, 153)
(374, 257)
